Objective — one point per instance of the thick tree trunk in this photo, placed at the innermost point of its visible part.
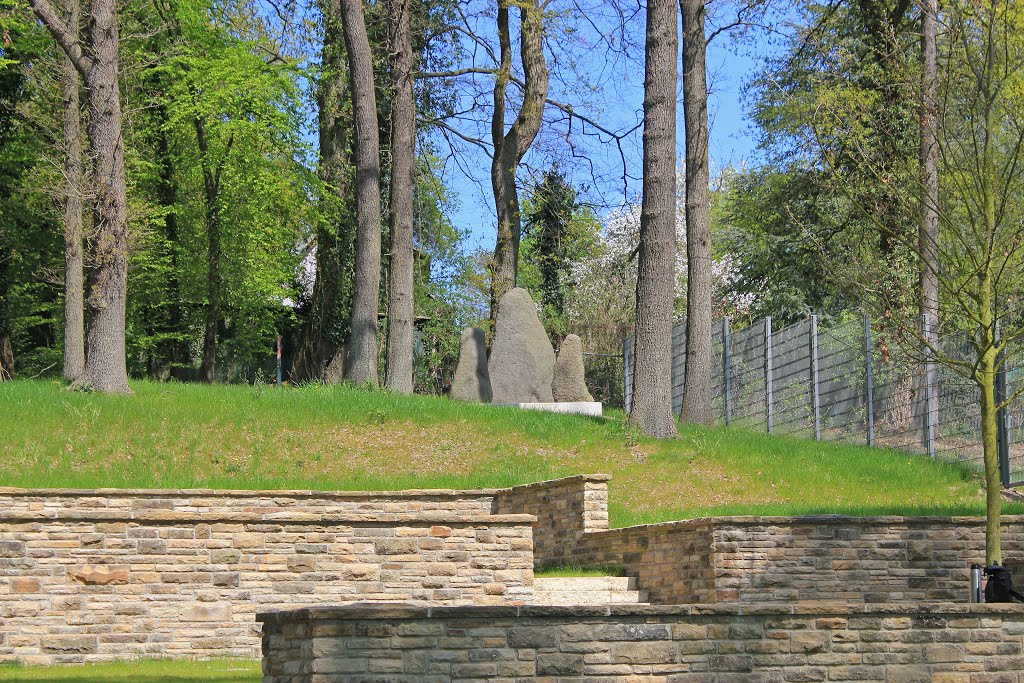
(106, 293)
(510, 147)
(105, 363)
(652, 368)
(74, 275)
(6, 350)
(211, 187)
(361, 351)
(699, 286)
(403, 134)
(6, 357)
(327, 324)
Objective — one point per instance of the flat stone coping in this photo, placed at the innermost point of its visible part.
(174, 516)
(564, 480)
(19, 492)
(246, 493)
(797, 520)
(589, 408)
(405, 610)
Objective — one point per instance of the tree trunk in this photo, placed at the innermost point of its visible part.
(327, 324)
(652, 368)
(985, 376)
(699, 286)
(105, 363)
(361, 351)
(510, 147)
(403, 134)
(6, 357)
(987, 299)
(74, 275)
(6, 350)
(928, 232)
(211, 187)
(993, 486)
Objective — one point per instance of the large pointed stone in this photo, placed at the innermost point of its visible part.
(569, 384)
(522, 361)
(472, 381)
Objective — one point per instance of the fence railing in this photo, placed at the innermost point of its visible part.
(848, 383)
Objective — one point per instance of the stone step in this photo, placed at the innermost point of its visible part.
(582, 583)
(587, 590)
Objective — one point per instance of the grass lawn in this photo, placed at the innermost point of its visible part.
(335, 437)
(142, 671)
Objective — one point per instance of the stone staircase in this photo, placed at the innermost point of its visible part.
(587, 590)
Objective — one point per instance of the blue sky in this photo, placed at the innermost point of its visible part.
(732, 138)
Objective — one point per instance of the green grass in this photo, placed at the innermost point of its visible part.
(563, 571)
(140, 671)
(335, 437)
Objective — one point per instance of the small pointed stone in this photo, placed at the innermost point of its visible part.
(472, 381)
(570, 384)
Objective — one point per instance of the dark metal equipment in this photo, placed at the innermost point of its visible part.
(999, 587)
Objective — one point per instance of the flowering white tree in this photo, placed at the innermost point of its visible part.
(601, 303)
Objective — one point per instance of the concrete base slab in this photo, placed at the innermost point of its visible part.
(591, 408)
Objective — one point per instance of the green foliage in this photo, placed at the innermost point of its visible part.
(783, 236)
(840, 138)
(30, 254)
(208, 67)
(558, 233)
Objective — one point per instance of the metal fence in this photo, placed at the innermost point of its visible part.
(847, 384)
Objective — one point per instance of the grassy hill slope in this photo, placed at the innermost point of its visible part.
(175, 435)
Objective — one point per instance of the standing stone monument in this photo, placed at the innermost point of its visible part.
(334, 373)
(522, 361)
(472, 381)
(569, 383)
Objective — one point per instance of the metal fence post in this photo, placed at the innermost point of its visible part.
(727, 370)
(815, 403)
(869, 382)
(929, 388)
(627, 375)
(769, 411)
(1002, 428)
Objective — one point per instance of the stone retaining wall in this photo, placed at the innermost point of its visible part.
(565, 509)
(712, 644)
(763, 559)
(107, 574)
(101, 575)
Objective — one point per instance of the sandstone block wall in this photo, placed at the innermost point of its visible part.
(679, 644)
(869, 559)
(94, 576)
(565, 509)
(758, 559)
